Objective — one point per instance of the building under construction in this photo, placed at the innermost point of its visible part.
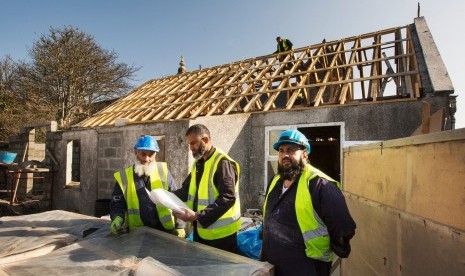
(378, 109)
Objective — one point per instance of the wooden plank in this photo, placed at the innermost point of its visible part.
(319, 96)
(425, 117)
(348, 76)
(238, 99)
(403, 65)
(234, 88)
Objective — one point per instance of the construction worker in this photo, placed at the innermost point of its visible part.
(130, 206)
(306, 219)
(211, 191)
(283, 45)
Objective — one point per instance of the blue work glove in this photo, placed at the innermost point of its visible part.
(180, 232)
(117, 227)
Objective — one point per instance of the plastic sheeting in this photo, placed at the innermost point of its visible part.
(60, 243)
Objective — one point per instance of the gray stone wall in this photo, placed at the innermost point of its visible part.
(116, 146)
(80, 197)
(109, 161)
(105, 151)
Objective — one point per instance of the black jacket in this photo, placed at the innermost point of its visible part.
(224, 180)
(283, 244)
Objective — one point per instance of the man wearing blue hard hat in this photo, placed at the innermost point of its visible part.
(131, 206)
(306, 218)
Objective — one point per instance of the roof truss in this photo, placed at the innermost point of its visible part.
(371, 67)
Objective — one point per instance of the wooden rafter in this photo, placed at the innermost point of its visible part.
(337, 72)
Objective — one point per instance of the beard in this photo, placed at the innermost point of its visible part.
(293, 171)
(200, 152)
(144, 169)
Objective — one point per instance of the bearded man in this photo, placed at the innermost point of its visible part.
(306, 219)
(131, 206)
(211, 191)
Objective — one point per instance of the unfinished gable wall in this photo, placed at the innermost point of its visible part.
(407, 198)
(116, 151)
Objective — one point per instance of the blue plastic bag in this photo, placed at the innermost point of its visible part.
(249, 243)
(190, 237)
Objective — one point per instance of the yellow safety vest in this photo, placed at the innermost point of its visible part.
(229, 223)
(284, 44)
(125, 179)
(314, 231)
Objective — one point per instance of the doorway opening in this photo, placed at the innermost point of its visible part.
(325, 146)
(325, 141)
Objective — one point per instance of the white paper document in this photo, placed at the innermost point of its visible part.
(167, 199)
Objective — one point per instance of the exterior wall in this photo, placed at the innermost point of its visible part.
(435, 79)
(365, 122)
(434, 72)
(105, 151)
(78, 198)
(232, 135)
(408, 203)
(116, 146)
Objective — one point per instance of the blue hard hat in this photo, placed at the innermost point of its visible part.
(147, 142)
(293, 136)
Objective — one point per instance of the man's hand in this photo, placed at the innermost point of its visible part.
(187, 216)
(180, 232)
(117, 227)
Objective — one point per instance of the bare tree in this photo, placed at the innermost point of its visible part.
(8, 99)
(70, 72)
(16, 107)
(7, 80)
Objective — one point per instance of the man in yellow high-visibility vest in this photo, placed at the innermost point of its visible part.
(131, 206)
(284, 45)
(306, 219)
(211, 191)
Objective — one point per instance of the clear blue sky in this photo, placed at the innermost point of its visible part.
(154, 34)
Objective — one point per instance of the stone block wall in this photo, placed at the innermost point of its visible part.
(109, 161)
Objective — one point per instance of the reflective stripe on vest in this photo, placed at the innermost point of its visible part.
(229, 223)
(314, 231)
(158, 179)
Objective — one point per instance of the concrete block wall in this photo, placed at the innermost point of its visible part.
(109, 161)
(78, 198)
(406, 196)
(34, 151)
(115, 151)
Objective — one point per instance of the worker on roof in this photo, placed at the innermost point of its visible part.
(131, 206)
(283, 45)
(211, 191)
(306, 219)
